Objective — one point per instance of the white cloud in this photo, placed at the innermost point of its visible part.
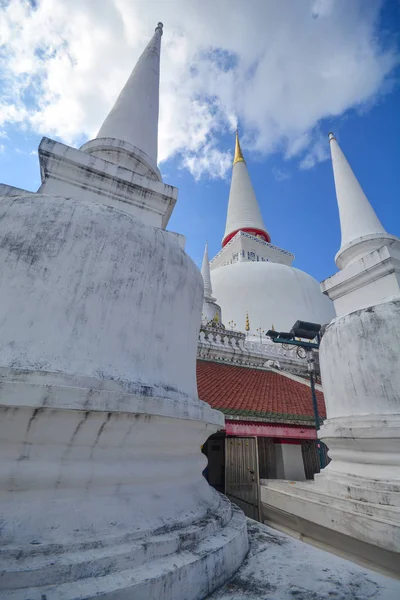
(316, 153)
(280, 174)
(277, 67)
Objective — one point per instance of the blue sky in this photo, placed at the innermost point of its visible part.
(297, 198)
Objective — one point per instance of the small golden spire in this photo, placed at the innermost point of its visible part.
(247, 326)
(216, 318)
(238, 151)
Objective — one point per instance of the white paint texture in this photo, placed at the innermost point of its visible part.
(358, 220)
(101, 486)
(358, 493)
(72, 173)
(367, 281)
(271, 293)
(243, 208)
(134, 117)
(86, 260)
(101, 427)
(360, 367)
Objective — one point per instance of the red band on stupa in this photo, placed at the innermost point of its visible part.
(256, 232)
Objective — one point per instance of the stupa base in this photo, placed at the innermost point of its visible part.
(185, 563)
(109, 504)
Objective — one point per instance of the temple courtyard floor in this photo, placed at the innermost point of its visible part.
(279, 567)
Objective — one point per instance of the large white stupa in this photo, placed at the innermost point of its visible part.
(252, 276)
(101, 486)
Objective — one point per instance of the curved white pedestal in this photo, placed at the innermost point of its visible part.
(109, 504)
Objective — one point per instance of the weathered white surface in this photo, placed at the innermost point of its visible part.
(271, 293)
(362, 518)
(358, 493)
(360, 362)
(243, 209)
(244, 247)
(366, 281)
(10, 190)
(101, 427)
(289, 462)
(360, 368)
(101, 486)
(100, 286)
(357, 217)
(279, 567)
(233, 347)
(134, 117)
(73, 173)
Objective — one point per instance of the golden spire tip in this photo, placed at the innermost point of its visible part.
(238, 151)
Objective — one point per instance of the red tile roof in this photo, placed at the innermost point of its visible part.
(246, 392)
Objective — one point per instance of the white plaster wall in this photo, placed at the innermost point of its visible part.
(360, 362)
(78, 174)
(76, 475)
(367, 294)
(271, 293)
(88, 290)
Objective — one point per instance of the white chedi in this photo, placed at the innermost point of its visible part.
(270, 293)
(102, 492)
(251, 275)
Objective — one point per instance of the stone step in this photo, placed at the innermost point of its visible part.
(197, 569)
(44, 564)
(310, 491)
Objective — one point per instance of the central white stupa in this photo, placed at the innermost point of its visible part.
(252, 276)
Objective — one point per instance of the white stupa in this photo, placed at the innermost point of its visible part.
(354, 502)
(252, 276)
(102, 493)
(211, 310)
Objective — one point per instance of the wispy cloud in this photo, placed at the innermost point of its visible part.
(279, 68)
(317, 152)
(280, 174)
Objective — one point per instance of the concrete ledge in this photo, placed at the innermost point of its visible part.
(342, 531)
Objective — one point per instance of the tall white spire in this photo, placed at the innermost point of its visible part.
(205, 271)
(243, 210)
(134, 116)
(361, 229)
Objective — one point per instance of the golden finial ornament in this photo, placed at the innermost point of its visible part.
(273, 328)
(247, 326)
(238, 151)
